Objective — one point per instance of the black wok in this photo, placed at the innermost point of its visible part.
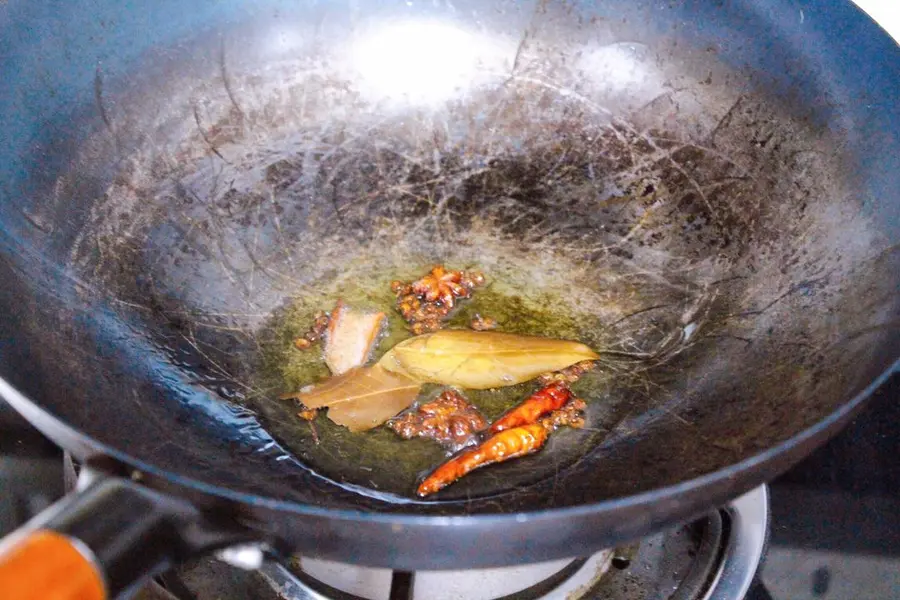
(716, 183)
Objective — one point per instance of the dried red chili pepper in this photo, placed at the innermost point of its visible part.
(541, 403)
(512, 443)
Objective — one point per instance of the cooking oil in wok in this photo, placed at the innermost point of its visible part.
(379, 459)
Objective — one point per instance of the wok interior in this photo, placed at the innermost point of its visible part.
(678, 208)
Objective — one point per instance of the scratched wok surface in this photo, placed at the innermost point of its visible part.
(717, 181)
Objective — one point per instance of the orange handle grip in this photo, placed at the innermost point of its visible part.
(45, 565)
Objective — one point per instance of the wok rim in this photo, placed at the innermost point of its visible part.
(52, 426)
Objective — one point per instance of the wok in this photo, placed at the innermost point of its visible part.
(714, 183)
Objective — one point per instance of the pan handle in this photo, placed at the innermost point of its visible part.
(103, 540)
(47, 564)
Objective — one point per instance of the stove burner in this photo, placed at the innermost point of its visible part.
(748, 518)
(715, 558)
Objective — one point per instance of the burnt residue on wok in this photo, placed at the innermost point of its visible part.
(690, 222)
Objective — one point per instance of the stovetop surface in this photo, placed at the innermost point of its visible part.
(836, 515)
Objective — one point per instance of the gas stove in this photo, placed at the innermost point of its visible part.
(714, 558)
(832, 525)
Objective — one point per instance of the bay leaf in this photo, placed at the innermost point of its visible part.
(363, 413)
(481, 359)
(361, 398)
